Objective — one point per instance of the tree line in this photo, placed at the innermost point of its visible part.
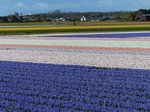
(58, 15)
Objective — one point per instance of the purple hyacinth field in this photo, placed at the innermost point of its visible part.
(47, 87)
(50, 78)
(109, 35)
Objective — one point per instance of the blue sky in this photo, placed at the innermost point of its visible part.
(35, 6)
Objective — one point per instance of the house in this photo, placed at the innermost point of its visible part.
(146, 17)
(83, 18)
(61, 19)
(142, 16)
(47, 19)
(28, 19)
(97, 17)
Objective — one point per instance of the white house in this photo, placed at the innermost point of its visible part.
(83, 18)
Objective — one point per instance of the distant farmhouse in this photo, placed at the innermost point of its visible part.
(101, 17)
(143, 15)
(83, 18)
(28, 18)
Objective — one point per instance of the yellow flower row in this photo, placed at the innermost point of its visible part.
(72, 27)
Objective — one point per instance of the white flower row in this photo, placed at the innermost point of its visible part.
(77, 58)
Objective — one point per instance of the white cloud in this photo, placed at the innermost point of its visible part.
(64, 6)
(75, 5)
(45, 6)
(41, 5)
(142, 2)
(20, 5)
(105, 2)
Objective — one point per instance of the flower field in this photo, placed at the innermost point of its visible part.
(75, 73)
(48, 87)
(69, 27)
